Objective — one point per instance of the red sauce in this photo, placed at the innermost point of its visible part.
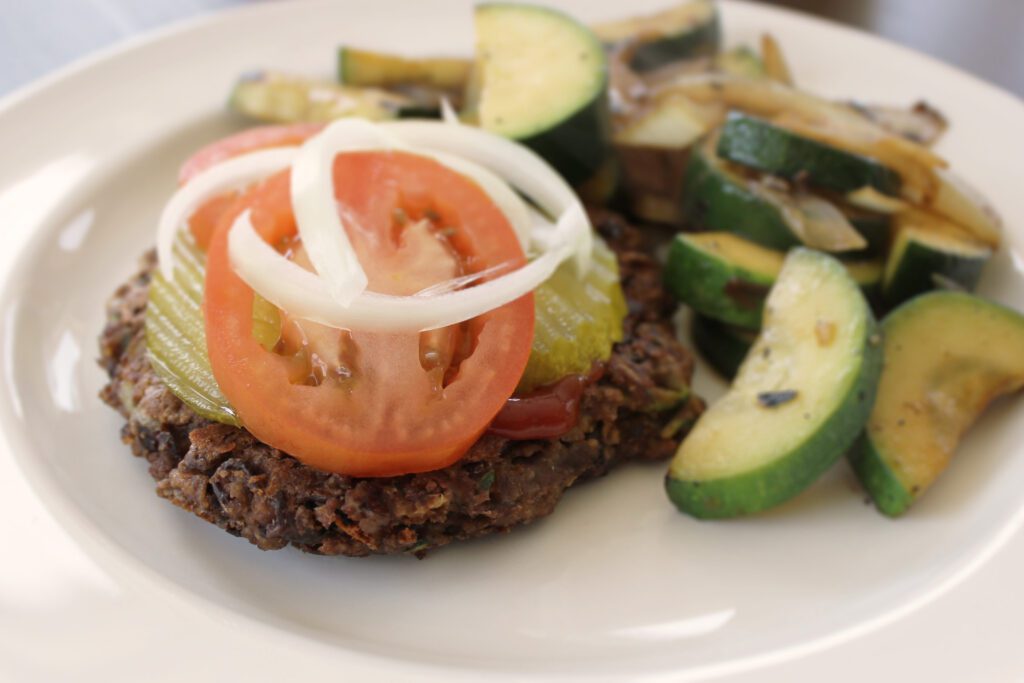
(545, 412)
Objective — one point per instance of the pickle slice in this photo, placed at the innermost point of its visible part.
(176, 338)
(577, 322)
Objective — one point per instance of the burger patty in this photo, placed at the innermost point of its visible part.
(638, 410)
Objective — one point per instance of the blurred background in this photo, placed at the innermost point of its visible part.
(984, 37)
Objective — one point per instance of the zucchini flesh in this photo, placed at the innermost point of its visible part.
(761, 145)
(926, 250)
(176, 336)
(279, 98)
(804, 392)
(542, 81)
(670, 123)
(722, 276)
(717, 197)
(947, 356)
(725, 277)
(578, 320)
(652, 148)
(381, 70)
(682, 32)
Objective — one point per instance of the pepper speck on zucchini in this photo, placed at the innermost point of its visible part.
(947, 356)
(820, 351)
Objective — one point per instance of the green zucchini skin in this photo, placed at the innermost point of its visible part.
(715, 200)
(948, 356)
(724, 347)
(716, 286)
(876, 229)
(918, 263)
(792, 471)
(890, 496)
(760, 145)
(780, 480)
(684, 31)
(713, 286)
(574, 133)
(699, 41)
(383, 70)
(580, 146)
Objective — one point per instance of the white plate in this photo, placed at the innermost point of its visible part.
(616, 582)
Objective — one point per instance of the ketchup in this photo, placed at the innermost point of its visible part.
(545, 412)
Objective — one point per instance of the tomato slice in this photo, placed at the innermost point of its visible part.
(249, 140)
(203, 222)
(375, 404)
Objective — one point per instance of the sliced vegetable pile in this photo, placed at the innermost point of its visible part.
(800, 399)
(370, 291)
(755, 168)
(805, 221)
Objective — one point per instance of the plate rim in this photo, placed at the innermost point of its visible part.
(112, 557)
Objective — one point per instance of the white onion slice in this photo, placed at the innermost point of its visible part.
(448, 114)
(227, 175)
(335, 293)
(321, 225)
(517, 165)
(305, 295)
(503, 196)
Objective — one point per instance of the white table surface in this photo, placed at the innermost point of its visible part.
(45, 577)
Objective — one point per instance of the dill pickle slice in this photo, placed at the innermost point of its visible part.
(176, 337)
(578, 320)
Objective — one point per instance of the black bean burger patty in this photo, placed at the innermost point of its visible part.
(638, 410)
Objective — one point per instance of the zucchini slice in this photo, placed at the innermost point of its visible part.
(722, 276)
(927, 250)
(758, 144)
(682, 32)
(723, 346)
(726, 277)
(381, 70)
(577, 321)
(652, 147)
(947, 356)
(176, 335)
(542, 81)
(279, 98)
(875, 228)
(800, 399)
(717, 197)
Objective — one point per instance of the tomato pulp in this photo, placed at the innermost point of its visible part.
(375, 404)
